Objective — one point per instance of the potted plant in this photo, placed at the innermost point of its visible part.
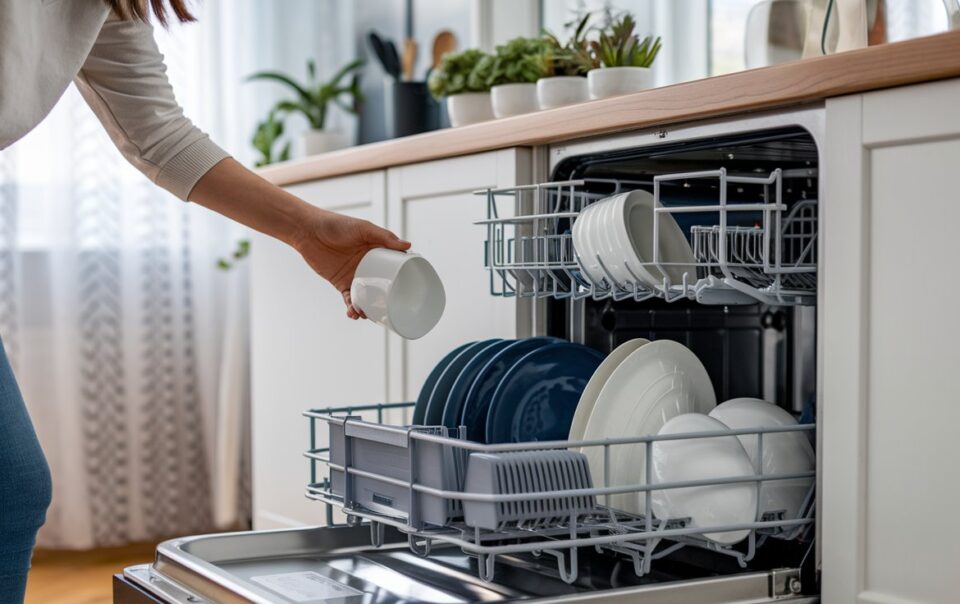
(463, 81)
(314, 98)
(514, 71)
(625, 61)
(565, 67)
(266, 135)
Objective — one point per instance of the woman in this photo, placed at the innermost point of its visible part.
(106, 48)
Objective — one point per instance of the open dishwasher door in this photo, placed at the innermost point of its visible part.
(338, 565)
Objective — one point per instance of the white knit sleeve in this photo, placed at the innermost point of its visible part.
(124, 81)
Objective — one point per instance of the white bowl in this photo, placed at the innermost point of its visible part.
(561, 90)
(469, 108)
(514, 99)
(613, 81)
(400, 291)
(783, 453)
(703, 459)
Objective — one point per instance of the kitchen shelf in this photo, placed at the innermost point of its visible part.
(642, 538)
(745, 251)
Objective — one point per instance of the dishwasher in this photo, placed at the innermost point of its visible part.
(745, 191)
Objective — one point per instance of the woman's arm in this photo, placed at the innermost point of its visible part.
(332, 244)
(124, 81)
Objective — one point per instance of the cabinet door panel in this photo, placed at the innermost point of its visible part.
(889, 407)
(433, 206)
(305, 353)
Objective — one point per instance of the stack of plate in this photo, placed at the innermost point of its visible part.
(614, 238)
(508, 390)
(638, 388)
(731, 456)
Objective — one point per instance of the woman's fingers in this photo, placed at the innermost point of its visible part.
(352, 311)
(379, 237)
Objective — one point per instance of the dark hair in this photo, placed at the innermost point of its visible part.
(137, 9)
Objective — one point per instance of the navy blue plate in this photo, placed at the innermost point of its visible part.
(477, 404)
(538, 396)
(453, 409)
(441, 390)
(420, 408)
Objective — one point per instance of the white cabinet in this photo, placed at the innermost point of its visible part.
(890, 408)
(305, 353)
(433, 206)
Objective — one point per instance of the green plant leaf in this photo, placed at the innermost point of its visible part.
(283, 79)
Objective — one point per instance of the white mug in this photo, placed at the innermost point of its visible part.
(398, 290)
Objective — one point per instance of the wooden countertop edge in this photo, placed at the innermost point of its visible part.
(913, 61)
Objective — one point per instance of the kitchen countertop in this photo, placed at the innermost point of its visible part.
(919, 60)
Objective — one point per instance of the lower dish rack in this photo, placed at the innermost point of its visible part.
(415, 479)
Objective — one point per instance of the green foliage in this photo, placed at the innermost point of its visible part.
(242, 251)
(518, 61)
(572, 58)
(266, 135)
(313, 98)
(620, 47)
(460, 72)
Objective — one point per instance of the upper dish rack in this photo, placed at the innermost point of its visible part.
(744, 251)
(411, 478)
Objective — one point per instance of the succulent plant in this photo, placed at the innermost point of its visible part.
(620, 47)
(460, 72)
(572, 58)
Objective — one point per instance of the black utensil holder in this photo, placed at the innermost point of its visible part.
(410, 109)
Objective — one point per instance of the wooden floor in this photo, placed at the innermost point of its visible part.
(60, 577)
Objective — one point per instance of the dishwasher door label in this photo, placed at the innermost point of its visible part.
(306, 586)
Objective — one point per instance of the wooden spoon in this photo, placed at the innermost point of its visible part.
(409, 58)
(443, 43)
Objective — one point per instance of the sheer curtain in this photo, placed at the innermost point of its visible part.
(115, 317)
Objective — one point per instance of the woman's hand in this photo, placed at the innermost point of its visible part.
(333, 244)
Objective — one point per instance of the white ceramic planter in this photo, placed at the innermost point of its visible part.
(614, 81)
(321, 141)
(469, 108)
(514, 99)
(561, 90)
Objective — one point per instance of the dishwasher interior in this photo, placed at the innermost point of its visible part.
(747, 201)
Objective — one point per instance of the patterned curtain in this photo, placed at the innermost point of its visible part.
(111, 312)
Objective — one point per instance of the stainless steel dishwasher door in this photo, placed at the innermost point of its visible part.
(338, 565)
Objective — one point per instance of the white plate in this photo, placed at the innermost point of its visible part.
(783, 453)
(584, 246)
(654, 383)
(633, 234)
(590, 393)
(702, 459)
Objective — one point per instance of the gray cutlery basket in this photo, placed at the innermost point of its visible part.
(542, 472)
(388, 451)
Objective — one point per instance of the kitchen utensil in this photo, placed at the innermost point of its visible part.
(537, 397)
(441, 390)
(410, 109)
(409, 58)
(656, 382)
(599, 378)
(526, 472)
(444, 43)
(480, 394)
(703, 459)
(420, 407)
(386, 53)
(783, 453)
(453, 408)
(398, 290)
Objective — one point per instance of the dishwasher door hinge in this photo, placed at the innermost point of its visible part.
(785, 583)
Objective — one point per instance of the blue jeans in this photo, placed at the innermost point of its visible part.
(25, 487)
